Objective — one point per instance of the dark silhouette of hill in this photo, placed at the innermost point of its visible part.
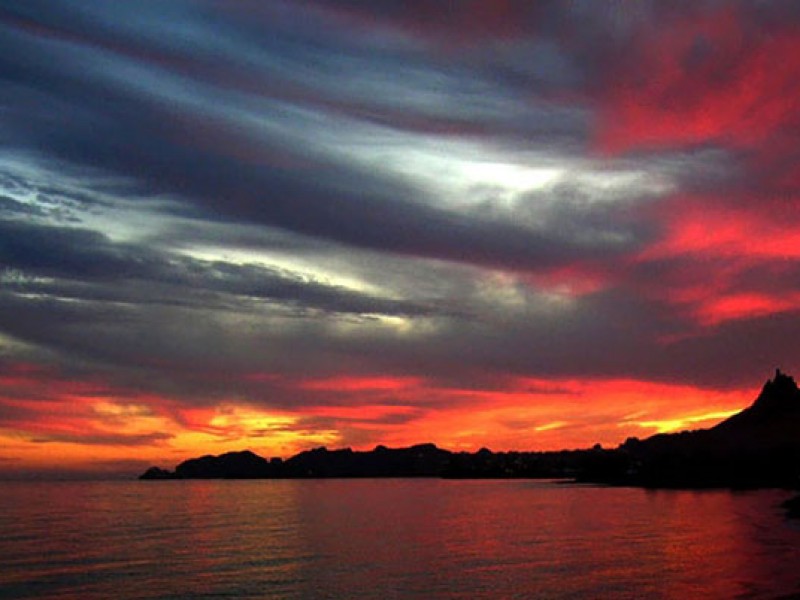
(792, 507)
(424, 460)
(774, 418)
(758, 447)
(233, 465)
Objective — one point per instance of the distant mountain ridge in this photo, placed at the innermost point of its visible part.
(757, 447)
(422, 460)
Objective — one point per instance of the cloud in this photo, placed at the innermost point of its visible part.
(722, 77)
(88, 438)
(248, 158)
(60, 261)
(350, 222)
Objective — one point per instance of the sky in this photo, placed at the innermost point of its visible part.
(278, 225)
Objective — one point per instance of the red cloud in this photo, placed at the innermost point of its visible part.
(712, 227)
(713, 79)
(717, 261)
(361, 384)
(716, 79)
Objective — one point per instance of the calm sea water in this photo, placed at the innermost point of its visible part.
(401, 538)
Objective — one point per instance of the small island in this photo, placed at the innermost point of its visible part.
(756, 448)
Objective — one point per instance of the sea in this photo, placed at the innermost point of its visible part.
(391, 538)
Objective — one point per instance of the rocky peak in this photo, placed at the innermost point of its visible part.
(779, 394)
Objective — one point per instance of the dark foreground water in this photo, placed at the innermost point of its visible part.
(400, 538)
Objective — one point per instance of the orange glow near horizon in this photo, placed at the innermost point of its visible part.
(96, 432)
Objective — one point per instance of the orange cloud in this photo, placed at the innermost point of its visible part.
(545, 414)
(47, 427)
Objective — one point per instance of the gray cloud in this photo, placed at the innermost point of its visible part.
(71, 258)
(86, 115)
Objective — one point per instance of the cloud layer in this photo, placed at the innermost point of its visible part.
(280, 224)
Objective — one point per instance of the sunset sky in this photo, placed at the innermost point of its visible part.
(280, 225)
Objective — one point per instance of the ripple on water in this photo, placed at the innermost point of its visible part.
(390, 539)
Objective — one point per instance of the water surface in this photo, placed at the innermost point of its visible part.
(396, 538)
